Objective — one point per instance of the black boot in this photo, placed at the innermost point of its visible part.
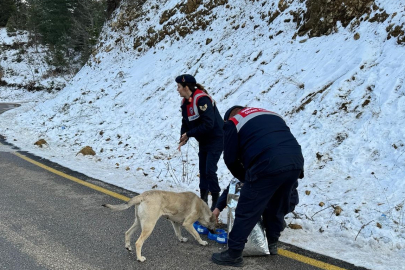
(230, 257)
(272, 241)
(215, 197)
(204, 195)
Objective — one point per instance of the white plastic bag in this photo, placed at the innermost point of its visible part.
(257, 242)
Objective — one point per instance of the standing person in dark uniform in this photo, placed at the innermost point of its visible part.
(261, 152)
(202, 121)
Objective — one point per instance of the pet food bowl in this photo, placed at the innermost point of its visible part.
(221, 236)
(200, 228)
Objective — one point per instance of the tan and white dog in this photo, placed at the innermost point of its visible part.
(182, 208)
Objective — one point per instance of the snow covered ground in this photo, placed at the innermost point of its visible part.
(342, 96)
(27, 65)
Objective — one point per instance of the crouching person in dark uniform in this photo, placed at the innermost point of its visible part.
(261, 152)
(202, 121)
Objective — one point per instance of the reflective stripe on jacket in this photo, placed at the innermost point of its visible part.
(248, 113)
(201, 120)
(192, 109)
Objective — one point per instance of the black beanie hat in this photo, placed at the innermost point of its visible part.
(185, 78)
(228, 112)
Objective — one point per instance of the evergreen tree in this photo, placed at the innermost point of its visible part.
(69, 28)
(56, 16)
(89, 18)
(34, 20)
(18, 19)
(7, 8)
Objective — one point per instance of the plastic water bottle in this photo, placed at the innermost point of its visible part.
(383, 220)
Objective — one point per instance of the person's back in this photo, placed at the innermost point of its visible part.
(264, 137)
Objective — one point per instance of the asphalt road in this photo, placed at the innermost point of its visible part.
(50, 222)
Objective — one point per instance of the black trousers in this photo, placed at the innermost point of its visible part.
(294, 200)
(208, 164)
(268, 197)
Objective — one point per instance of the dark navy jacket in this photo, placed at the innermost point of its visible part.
(205, 125)
(258, 143)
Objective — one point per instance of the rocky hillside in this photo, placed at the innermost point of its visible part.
(149, 23)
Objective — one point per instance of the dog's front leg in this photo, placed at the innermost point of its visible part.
(189, 227)
(177, 230)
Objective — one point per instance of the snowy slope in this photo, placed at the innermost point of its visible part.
(342, 94)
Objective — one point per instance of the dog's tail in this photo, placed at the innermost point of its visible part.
(119, 207)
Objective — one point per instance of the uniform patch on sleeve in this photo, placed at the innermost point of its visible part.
(203, 108)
